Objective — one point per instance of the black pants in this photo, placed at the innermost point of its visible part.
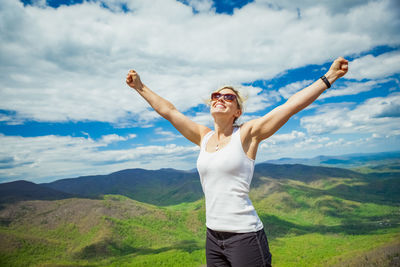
(237, 250)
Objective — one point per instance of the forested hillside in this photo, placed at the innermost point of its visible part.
(313, 216)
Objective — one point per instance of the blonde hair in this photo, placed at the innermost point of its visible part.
(240, 98)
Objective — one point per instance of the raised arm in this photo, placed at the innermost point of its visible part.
(188, 128)
(267, 125)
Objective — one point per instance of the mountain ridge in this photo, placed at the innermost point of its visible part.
(24, 190)
(345, 160)
(170, 186)
(158, 187)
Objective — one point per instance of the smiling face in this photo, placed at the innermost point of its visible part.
(221, 108)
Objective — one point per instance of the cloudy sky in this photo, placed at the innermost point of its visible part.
(66, 111)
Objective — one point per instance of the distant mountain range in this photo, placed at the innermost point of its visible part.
(344, 161)
(158, 187)
(169, 186)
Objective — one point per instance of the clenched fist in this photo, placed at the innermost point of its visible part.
(339, 67)
(133, 80)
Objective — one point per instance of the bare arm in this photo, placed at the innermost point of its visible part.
(264, 127)
(188, 128)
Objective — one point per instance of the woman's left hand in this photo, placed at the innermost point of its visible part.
(339, 68)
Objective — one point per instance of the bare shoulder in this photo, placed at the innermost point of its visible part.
(203, 132)
(246, 130)
(249, 141)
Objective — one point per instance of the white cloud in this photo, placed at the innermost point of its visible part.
(256, 99)
(111, 138)
(380, 108)
(375, 67)
(201, 5)
(70, 63)
(283, 138)
(52, 157)
(351, 88)
(291, 144)
(301, 145)
(380, 115)
(293, 88)
(338, 6)
(166, 135)
(203, 118)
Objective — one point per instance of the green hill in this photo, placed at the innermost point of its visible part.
(319, 217)
(159, 187)
(110, 232)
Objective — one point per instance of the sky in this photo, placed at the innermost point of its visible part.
(66, 111)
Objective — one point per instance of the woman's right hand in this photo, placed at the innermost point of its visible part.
(188, 128)
(133, 80)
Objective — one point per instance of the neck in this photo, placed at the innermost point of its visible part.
(223, 128)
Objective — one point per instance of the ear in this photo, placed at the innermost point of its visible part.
(238, 113)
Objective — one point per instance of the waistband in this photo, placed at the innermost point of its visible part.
(223, 235)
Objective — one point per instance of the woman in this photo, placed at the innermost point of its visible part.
(235, 234)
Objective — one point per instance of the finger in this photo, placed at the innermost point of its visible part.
(342, 60)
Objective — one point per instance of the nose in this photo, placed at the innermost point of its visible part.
(220, 100)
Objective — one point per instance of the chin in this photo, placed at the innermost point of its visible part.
(218, 112)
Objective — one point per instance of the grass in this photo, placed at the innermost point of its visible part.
(316, 249)
(307, 225)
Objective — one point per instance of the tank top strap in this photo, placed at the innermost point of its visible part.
(236, 134)
(205, 139)
(237, 141)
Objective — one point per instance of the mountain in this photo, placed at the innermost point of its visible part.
(170, 187)
(349, 160)
(303, 173)
(158, 187)
(23, 190)
(332, 215)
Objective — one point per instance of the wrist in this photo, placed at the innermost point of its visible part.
(331, 77)
(140, 87)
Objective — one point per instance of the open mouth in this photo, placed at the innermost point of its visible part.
(219, 105)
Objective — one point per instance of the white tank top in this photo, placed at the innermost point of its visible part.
(225, 177)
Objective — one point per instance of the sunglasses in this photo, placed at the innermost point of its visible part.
(226, 97)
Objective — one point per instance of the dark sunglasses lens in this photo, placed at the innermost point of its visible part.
(215, 96)
(229, 97)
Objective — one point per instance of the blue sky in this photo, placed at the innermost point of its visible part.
(66, 111)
